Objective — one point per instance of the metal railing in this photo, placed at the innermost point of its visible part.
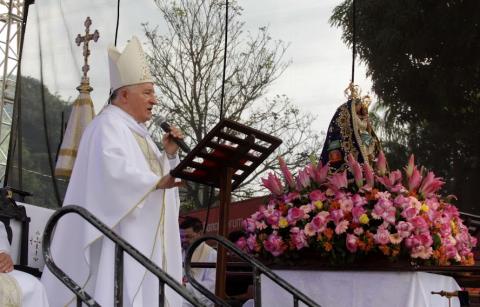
(121, 246)
(257, 266)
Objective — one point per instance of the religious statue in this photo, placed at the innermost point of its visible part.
(350, 131)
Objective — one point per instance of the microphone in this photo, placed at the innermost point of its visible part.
(166, 127)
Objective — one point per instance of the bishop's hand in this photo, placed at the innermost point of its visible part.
(6, 263)
(168, 182)
(169, 144)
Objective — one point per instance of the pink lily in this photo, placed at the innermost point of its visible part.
(303, 180)
(338, 181)
(410, 166)
(414, 180)
(430, 185)
(369, 176)
(381, 164)
(356, 170)
(393, 181)
(286, 173)
(273, 183)
(318, 172)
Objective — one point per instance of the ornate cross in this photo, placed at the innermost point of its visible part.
(85, 40)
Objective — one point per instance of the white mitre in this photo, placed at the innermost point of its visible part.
(129, 67)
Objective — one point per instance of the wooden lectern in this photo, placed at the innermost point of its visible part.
(223, 159)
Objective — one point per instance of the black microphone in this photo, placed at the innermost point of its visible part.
(166, 127)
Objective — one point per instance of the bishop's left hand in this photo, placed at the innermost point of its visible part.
(169, 144)
(6, 263)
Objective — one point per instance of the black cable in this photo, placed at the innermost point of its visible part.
(44, 115)
(221, 102)
(118, 19)
(15, 141)
(224, 60)
(354, 43)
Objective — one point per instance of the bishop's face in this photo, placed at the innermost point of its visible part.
(139, 100)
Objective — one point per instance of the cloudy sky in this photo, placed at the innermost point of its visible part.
(315, 80)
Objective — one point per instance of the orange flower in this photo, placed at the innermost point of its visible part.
(327, 246)
(328, 232)
(395, 252)
(372, 195)
(385, 249)
(334, 205)
(469, 260)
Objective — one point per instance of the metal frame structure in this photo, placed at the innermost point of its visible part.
(11, 20)
(121, 247)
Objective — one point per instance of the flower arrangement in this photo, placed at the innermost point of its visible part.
(348, 215)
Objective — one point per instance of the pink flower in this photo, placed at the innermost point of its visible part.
(298, 238)
(414, 180)
(338, 181)
(241, 243)
(419, 224)
(369, 176)
(273, 184)
(260, 225)
(392, 182)
(356, 213)
(336, 215)
(409, 213)
(404, 229)
(291, 197)
(341, 227)
(358, 231)
(286, 173)
(249, 225)
(422, 252)
(410, 166)
(358, 200)
(356, 170)
(395, 238)
(252, 243)
(319, 222)
(384, 209)
(430, 185)
(317, 195)
(274, 244)
(303, 180)
(306, 209)
(381, 164)
(273, 218)
(346, 204)
(382, 236)
(310, 230)
(352, 243)
(294, 214)
(319, 174)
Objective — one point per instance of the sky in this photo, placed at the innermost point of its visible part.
(320, 66)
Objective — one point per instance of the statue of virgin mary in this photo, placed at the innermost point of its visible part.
(350, 131)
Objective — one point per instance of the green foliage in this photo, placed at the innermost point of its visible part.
(423, 59)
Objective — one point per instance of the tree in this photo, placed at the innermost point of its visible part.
(423, 59)
(187, 65)
(32, 166)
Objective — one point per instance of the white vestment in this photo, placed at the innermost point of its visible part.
(203, 253)
(114, 181)
(18, 288)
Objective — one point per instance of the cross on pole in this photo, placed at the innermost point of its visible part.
(85, 40)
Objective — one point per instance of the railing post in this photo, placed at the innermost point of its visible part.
(256, 288)
(118, 275)
(161, 293)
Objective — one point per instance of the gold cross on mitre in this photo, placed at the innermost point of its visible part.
(85, 40)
